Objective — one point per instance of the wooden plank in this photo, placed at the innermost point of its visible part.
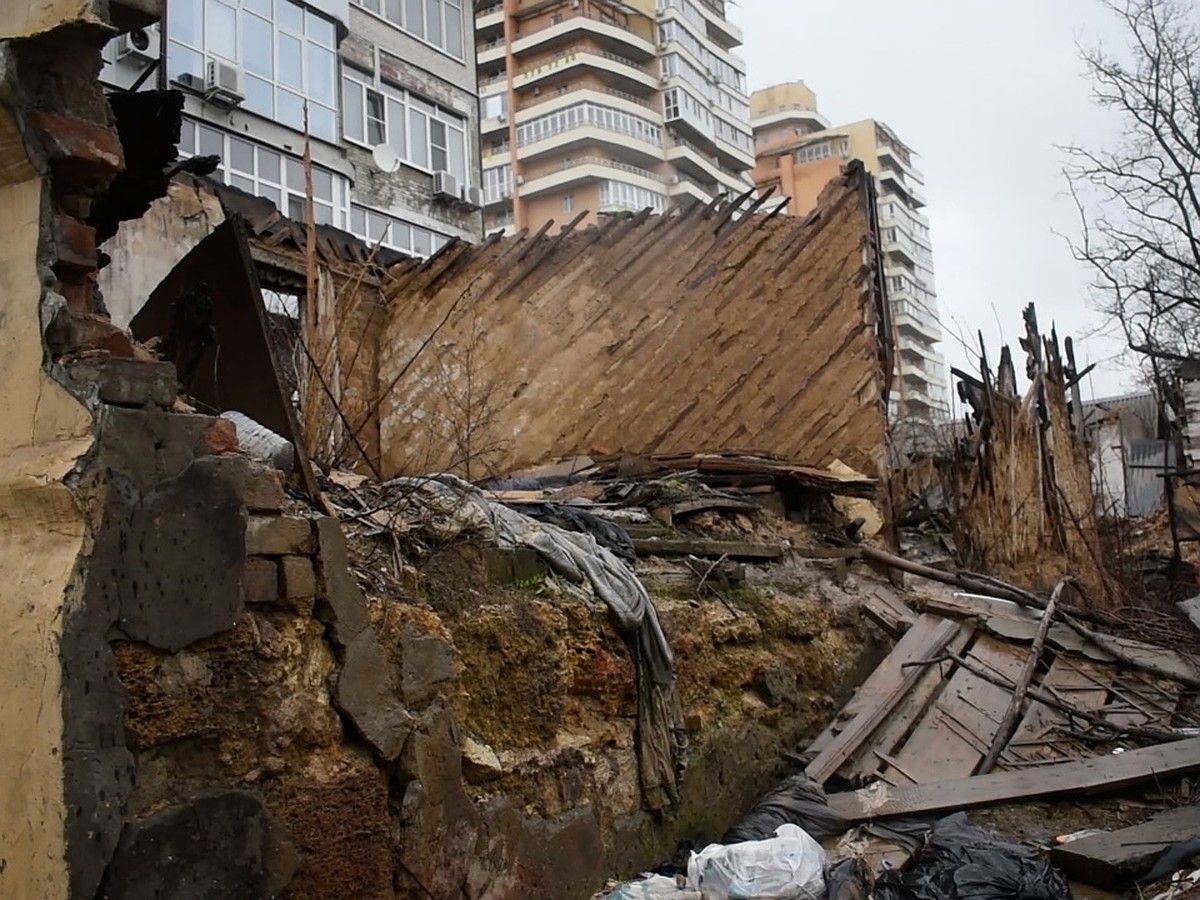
(888, 737)
(1104, 773)
(888, 611)
(1119, 856)
(957, 731)
(882, 691)
(1080, 683)
(732, 549)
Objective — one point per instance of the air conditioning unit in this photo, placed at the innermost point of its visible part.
(666, 79)
(446, 185)
(674, 179)
(128, 49)
(223, 83)
(520, 180)
(472, 196)
(502, 118)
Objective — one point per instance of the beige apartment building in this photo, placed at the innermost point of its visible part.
(797, 154)
(603, 106)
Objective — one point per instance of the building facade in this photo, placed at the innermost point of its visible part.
(386, 91)
(798, 152)
(603, 106)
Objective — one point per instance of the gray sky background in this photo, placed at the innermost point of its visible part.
(983, 91)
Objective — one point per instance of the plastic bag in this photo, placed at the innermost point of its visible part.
(797, 800)
(962, 862)
(789, 866)
(655, 887)
(849, 880)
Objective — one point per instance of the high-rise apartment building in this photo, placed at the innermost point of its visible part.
(387, 88)
(797, 154)
(604, 105)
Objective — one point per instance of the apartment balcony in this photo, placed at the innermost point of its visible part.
(627, 74)
(493, 159)
(694, 161)
(574, 27)
(894, 182)
(610, 97)
(489, 19)
(590, 168)
(494, 86)
(635, 147)
(807, 120)
(493, 124)
(890, 156)
(683, 189)
(914, 327)
(492, 51)
(497, 194)
(732, 155)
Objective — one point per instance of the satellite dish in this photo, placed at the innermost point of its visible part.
(386, 159)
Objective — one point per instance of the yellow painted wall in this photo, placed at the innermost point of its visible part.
(42, 533)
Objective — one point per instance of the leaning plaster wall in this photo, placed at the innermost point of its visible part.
(41, 535)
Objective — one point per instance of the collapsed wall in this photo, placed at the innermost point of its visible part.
(200, 699)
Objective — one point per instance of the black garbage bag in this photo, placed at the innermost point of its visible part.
(848, 880)
(962, 862)
(607, 534)
(1180, 855)
(797, 800)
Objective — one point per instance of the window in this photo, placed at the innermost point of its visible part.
(376, 227)
(436, 22)
(265, 172)
(593, 115)
(616, 196)
(814, 152)
(288, 55)
(423, 135)
(568, 203)
(497, 184)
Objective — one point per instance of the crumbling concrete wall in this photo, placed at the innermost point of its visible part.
(144, 252)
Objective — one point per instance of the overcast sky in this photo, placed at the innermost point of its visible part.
(983, 90)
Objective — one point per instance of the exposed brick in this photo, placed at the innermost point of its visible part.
(77, 205)
(299, 578)
(75, 245)
(79, 150)
(128, 382)
(279, 536)
(221, 437)
(93, 332)
(261, 580)
(264, 489)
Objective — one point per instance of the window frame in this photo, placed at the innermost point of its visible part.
(465, 35)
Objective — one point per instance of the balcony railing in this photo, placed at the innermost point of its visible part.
(712, 160)
(576, 162)
(488, 10)
(545, 25)
(575, 49)
(612, 92)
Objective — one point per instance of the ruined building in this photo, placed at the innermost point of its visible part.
(365, 73)
(797, 153)
(602, 106)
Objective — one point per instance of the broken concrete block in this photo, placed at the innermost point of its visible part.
(343, 606)
(219, 845)
(261, 580)
(742, 630)
(299, 578)
(367, 694)
(175, 558)
(427, 661)
(278, 536)
(263, 490)
(132, 383)
(480, 762)
(777, 684)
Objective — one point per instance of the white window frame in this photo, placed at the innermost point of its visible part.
(316, 33)
(466, 15)
(288, 186)
(412, 105)
(370, 215)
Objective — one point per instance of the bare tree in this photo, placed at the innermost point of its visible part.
(1139, 201)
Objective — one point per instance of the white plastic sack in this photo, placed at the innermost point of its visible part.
(789, 866)
(656, 887)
